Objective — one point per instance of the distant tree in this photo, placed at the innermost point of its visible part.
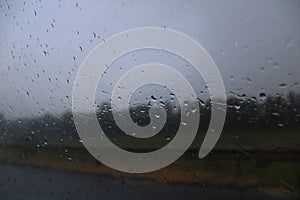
(293, 100)
(2, 124)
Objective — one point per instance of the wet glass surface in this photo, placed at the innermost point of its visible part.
(255, 46)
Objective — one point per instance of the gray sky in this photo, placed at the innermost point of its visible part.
(255, 44)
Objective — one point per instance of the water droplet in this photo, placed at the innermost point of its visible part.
(194, 110)
(276, 65)
(185, 103)
(153, 97)
(275, 114)
(262, 96)
(282, 85)
(202, 103)
(187, 113)
(184, 123)
(237, 107)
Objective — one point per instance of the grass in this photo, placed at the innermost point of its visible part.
(219, 168)
(268, 162)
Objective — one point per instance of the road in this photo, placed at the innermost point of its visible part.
(19, 182)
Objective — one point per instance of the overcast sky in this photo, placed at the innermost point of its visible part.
(255, 44)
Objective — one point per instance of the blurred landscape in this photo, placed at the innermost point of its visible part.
(259, 147)
(255, 45)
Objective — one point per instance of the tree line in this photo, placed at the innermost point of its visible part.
(243, 113)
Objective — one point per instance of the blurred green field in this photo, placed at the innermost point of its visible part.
(252, 140)
(265, 160)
